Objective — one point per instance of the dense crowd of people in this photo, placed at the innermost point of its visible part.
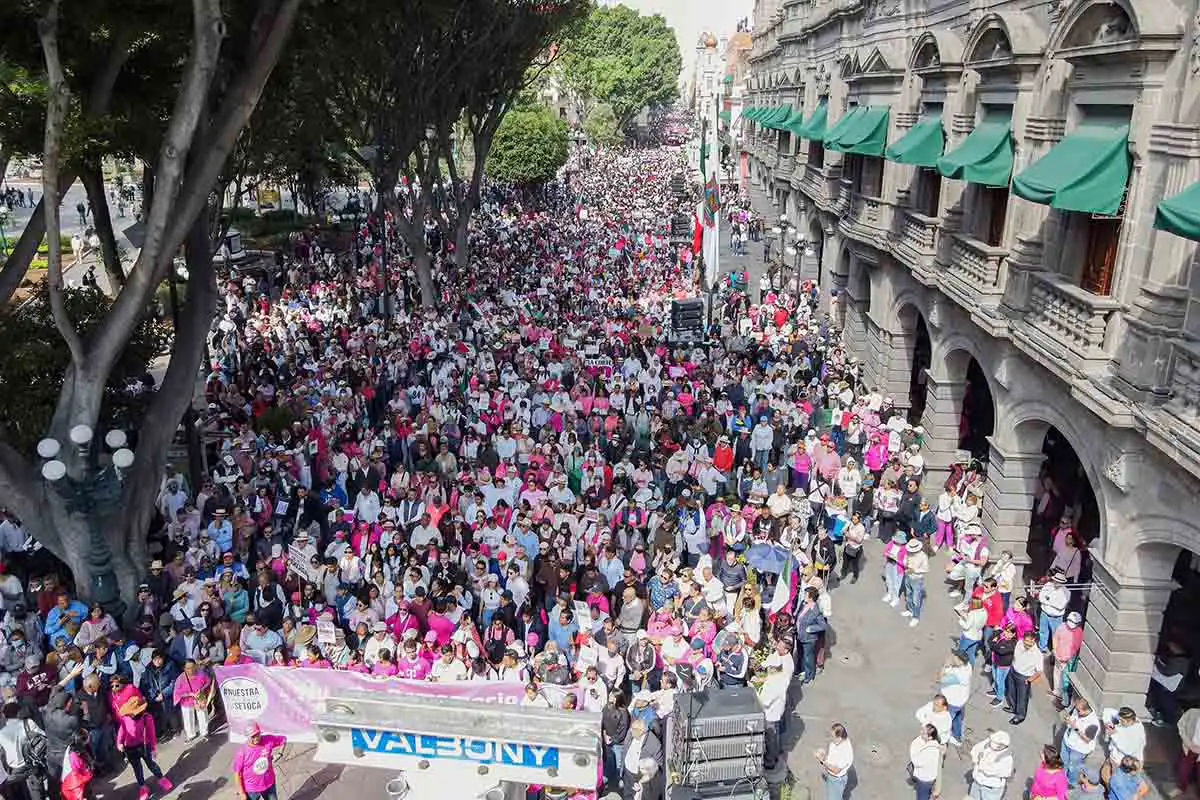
(530, 482)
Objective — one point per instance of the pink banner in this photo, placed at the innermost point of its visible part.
(283, 700)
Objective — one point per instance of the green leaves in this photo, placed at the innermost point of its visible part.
(602, 127)
(623, 58)
(530, 147)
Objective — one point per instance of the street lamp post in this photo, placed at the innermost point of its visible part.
(94, 492)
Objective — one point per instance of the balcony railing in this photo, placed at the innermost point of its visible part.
(974, 272)
(1069, 318)
(918, 241)
(784, 170)
(866, 219)
(1185, 384)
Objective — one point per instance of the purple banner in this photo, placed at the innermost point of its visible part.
(283, 700)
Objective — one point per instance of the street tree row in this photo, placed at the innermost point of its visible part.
(229, 89)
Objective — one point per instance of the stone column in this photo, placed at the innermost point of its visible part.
(1120, 636)
(1008, 499)
(943, 409)
(895, 354)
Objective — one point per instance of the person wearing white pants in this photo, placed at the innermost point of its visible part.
(192, 692)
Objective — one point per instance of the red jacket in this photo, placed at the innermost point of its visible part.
(993, 604)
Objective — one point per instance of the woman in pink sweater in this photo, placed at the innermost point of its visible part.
(1050, 780)
(136, 739)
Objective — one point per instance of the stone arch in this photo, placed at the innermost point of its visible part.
(935, 49)
(1149, 19)
(1092, 22)
(1148, 547)
(952, 354)
(1023, 430)
(1004, 36)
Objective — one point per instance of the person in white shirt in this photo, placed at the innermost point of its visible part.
(1126, 735)
(1028, 662)
(595, 692)
(448, 669)
(955, 683)
(380, 640)
(936, 713)
(773, 695)
(991, 767)
(925, 755)
(367, 506)
(1052, 601)
(424, 534)
(836, 759)
(1080, 736)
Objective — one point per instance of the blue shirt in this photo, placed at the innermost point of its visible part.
(660, 593)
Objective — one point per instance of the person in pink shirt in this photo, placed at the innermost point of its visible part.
(254, 765)
(1068, 638)
(136, 738)
(411, 664)
(1049, 780)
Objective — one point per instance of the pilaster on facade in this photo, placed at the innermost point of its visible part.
(1121, 636)
(1008, 498)
(941, 420)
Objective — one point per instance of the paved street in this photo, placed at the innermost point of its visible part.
(72, 272)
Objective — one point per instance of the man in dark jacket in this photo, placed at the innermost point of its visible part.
(61, 720)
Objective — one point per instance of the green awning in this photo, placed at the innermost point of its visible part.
(1180, 214)
(922, 146)
(793, 121)
(725, 115)
(1087, 171)
(728, 79)
(777, 116)
(864, 133)
(833, 134)
(748, 112)
(755, 112)
(814, 127)
(984, 157)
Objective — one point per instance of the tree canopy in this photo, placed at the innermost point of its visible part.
(602, 128)
(623, 58)
(531, 146)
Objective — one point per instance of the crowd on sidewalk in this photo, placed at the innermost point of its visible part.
(529, 483)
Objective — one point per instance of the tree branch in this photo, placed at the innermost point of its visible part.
(56, 112)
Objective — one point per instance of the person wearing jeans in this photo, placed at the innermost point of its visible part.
(955, 686)
(836, 760)
(971, 620)
(916, 566)
(1081, 729)
(925, 755)
(1003, 645)
(991, 767)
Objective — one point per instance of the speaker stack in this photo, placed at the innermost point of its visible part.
(687, 322)
(715, 745)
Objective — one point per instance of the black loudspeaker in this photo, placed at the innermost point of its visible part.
(716, 738)
(687, 321)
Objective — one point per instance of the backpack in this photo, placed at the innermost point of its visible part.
(35, 749)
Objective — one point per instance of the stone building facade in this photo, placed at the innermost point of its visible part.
(1047, 294)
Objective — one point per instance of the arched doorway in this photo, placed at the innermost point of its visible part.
(1177, 686)
(1066, 515)
(978, 419)
(922, 357)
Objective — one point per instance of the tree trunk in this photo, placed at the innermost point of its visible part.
(93, 184)
(423, 266)
(462, 239)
